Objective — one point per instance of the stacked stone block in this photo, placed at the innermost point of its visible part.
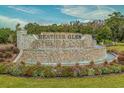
(58, 48)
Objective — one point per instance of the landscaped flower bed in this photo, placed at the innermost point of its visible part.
(8, 52)
(59, 71)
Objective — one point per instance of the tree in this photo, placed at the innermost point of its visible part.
(7, 35)
(18, 27)
(116, 24)
(103, 34)
(110, 29)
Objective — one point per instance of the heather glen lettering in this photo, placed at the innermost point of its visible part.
(59, 36)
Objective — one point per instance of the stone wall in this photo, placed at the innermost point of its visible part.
(24, 41)
(63, 55)
(61, 40)
(58, 48)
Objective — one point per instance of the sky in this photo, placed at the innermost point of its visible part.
(53, 14)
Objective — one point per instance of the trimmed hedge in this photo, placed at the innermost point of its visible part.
(58, 71)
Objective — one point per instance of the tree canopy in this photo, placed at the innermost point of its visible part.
(7, 36)
(111, 29)
(108, 29)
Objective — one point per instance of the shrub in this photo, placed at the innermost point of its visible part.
(98, 71)
(58, 71)
(92, 63)
(113, 50)
(105, 70)
(83, 71)
(122, 68)
(77, 65)
(17, 70)
(67, 71)
(3, 68)
(91, 72)
(48, 71)
(30, 69)
(108, 42)
(115, 69)
(38, 73)
(22, 63)
(59, 65)
(76, 71)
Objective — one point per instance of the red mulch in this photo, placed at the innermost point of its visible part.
(7, 52)
(121, 57)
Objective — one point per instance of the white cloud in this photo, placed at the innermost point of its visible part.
(28, 10)
(87, 12)
(10, 22)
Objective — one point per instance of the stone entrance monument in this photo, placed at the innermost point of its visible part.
(53, 48)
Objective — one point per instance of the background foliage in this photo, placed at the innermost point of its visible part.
(108, 30)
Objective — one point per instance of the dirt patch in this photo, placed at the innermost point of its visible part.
(121, 57)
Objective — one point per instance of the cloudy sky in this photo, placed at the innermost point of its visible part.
(11, 15)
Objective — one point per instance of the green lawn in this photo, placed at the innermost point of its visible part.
(111, 81)
(119, 47)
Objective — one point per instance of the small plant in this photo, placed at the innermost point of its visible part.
(98, 71)
(3, 68)
(59, 65)
(83, 71)
(58, 71)
(22, 63)
(77, 65)
(92, 63)
(76, 71)
(105, 63)
(38, 73)
(112, 50)
(105, 70)
(48, 71)
(30, 69)
(38, 63)
(67, 71)
(91, 72)
(115, 69)
(16, 70)
(122, 68)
